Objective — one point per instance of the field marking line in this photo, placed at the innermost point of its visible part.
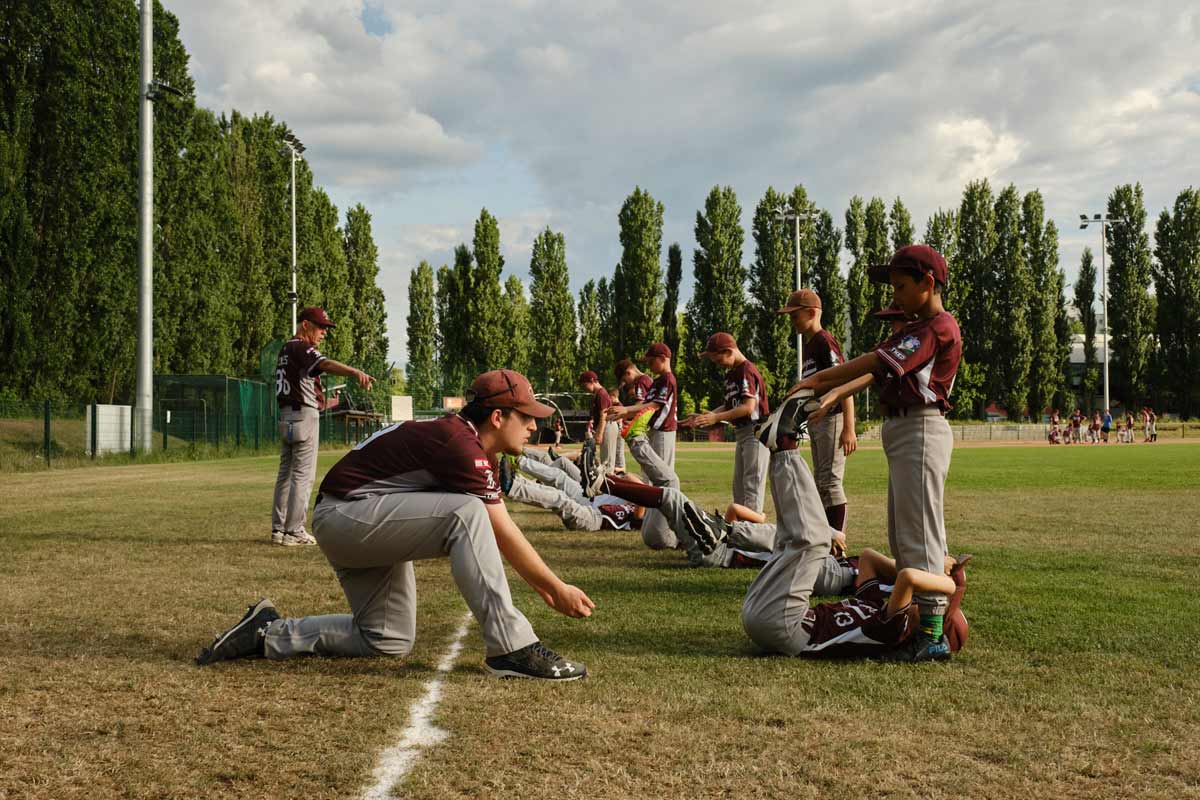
(395, 762)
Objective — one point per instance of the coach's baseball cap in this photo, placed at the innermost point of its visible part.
(892, 312)
(504, 388)
(718, 342)
(317, 316)
(920, 257)
(588, 376)
(657, 350)
(801, 298)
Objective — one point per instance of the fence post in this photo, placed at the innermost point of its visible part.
(46, 431)
(257, 426)
(239, 431)
(95, 426)
(164, 425)
(132, 427)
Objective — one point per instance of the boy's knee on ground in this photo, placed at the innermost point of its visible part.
(388, 645)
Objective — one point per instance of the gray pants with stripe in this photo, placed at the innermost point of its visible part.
(612, 449)
(371, 544)
(918, 448)
(829, 460)
(655, 452)
(778, 598)
(750, 460)
(299, 436)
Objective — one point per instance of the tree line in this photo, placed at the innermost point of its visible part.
(69, 78)
(1006, 288)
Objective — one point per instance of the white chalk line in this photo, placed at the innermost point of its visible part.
(396, 761)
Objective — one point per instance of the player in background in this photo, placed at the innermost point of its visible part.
(298, 392)
(651, 438)
(831, 439)
(422, 490)
(557, 492)
(915, 370)
(604, 432)
(745, 404)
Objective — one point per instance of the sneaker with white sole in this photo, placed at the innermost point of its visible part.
(298, 539)
(535, 661)
(789, 420)
(276, 537)
(244, 639)
(708, 530)
(592, 471)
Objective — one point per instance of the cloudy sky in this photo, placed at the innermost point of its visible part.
(549, 113)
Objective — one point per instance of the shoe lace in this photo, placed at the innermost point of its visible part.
(545, 652)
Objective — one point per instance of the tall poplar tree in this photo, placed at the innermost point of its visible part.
(1085, 304)
(900, 225)
(421, 369)
(827, 280)
(1040, 238)
(552, 314)
(370, 345)
(485, 304)
(609, 354)
(771, 341)
(975, 293)
(718, 296)
(941, 233)
(1176, 274)
(670, 313)
(514, 327)
(1013, 347)
(877, 249)
(592, 347)
(639, 300)
(1131, 318)
(858, 290)
(1062, 339)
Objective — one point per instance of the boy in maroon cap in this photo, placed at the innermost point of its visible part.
(298, 391)
(745, 404)
(915, 370)
(419, 490)
(603, 431)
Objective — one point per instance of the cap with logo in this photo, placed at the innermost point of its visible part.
(920, 257)
(657, 350)
(317, 316)
(504, 388)
(801, 298)
(719, 342)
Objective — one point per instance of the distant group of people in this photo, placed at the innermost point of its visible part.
(1079, 428)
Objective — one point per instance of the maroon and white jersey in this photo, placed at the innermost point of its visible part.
(665, 392)
(296, 371)
(636, 392)
(854, 627)
(920, 363)
(822, 351)
(437, 455)
(616, 514)
(601, 401)
(744, 382)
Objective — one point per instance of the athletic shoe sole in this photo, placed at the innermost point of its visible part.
(698, 527)
(509, 673)
(247, 619)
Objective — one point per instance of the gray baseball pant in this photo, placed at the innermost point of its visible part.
(918, 448)
(829, 461)
(759, 537)
(612, 449)
(299, 436)
(371, 544)
(553, 476)
(750, 460)
(577, 515)
(777, 599)
(542, 457)
(657, 530)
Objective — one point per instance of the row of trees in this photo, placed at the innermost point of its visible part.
(1006, 289)
(222, 239)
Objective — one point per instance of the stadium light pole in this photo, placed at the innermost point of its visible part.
(784, 214)
(297, 149)
(1103, 220)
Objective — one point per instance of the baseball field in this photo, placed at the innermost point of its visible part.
(1080, 678)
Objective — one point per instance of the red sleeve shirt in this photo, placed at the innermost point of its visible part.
(296, 371)
(664, 392)
(601, 401)
(822, 351)
(744, 382)
(439, 455)
(920, 363)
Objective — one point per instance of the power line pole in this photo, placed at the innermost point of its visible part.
(144, 393)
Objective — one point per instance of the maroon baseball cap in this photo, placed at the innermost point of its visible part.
(657, 350)
(317, 316)
(504, 388)
(920, 257)
(718, 342)
(621, 366)
(801, 298)
(892, 312)
(588, 376)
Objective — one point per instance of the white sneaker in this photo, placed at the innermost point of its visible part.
(298, 539)
(276, 537)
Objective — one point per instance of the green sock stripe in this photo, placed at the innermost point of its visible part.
(931, 625)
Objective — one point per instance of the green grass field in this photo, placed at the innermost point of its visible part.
(1080, 678)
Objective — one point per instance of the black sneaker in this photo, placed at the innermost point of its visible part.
(243, 640)
(591, 470)
(918, 649)
(535, 661)
(507, 473)
(790, 420)
(708, 530)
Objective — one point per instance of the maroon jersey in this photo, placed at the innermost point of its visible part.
(822, 352)
(664, 392)
(920, 363)
(744, 382)
(437, 455)
(854, 627)
(616, 514)
(636, 392)
(296, 371)
(600, 402)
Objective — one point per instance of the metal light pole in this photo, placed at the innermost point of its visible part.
(143, 400)
(1103, 220)
(784, 215)
(296, 148)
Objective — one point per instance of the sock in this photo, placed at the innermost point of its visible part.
(836, 515)
(641, 493)
(931, 626)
